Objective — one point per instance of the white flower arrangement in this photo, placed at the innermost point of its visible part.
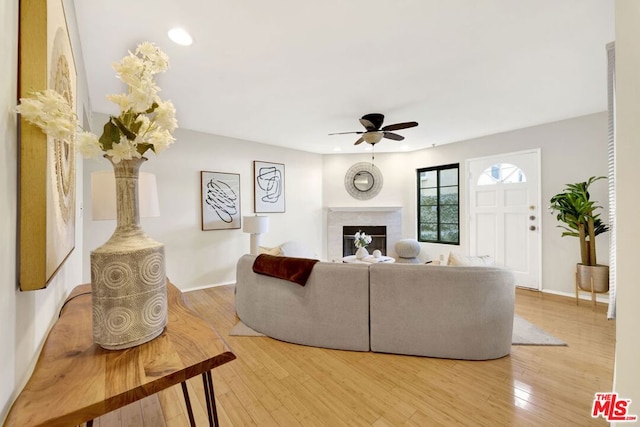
(145, 121)
(361, 239)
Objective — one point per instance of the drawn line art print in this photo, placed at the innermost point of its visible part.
(268, 187)
(220, 194)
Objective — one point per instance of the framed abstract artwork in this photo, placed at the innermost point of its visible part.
(220, 195)
(47, 195)
(268, 187)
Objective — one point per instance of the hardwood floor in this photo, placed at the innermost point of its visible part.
(273, 383)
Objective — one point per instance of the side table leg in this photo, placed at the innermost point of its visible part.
(207, 381)
(187, 401)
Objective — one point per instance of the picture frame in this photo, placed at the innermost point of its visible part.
(220, 200)
(47, 170)
(268, 187)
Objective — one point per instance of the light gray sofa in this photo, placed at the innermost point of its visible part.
(435, 311)
(441, 311)
(331, 310)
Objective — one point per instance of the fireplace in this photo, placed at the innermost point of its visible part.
(338, 217)
(378, 235)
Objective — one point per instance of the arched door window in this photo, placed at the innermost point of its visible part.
(504, 173)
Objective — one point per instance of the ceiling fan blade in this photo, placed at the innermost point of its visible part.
(394, 136)
(359, 141)
(373, 120)
(367, 124)
(345, 133)
(399, 126)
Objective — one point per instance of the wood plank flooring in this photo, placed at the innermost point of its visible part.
(273, 383)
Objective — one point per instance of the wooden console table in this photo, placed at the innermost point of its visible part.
(76, 380)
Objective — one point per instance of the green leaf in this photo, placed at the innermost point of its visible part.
(135, 127)
(110, 135)
(126, 132)
(152, 108)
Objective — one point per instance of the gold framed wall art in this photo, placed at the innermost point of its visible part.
(47, 167)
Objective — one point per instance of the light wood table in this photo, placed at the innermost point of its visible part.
(76, 380)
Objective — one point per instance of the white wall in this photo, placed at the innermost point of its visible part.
(25, 317)
(627, 372)
(195, 257)
(571, 151)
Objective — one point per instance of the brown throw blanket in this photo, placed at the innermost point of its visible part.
(296, 270)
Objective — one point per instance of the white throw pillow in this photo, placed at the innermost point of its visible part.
(297, 250)
(462, 260)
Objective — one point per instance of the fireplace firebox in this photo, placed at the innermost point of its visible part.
(378, 235)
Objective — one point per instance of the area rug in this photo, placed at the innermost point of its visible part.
(242, 330)
(524, 333)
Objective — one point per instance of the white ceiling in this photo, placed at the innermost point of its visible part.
(288, 72)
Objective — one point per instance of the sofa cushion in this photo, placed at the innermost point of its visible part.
(297, 250)
(469, 261)
(275, 251)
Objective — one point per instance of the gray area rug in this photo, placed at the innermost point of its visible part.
(242, 330)
(524, 333)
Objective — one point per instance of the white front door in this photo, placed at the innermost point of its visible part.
(504, 212)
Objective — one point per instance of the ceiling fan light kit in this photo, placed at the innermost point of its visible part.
(372, 137)
(374, 132)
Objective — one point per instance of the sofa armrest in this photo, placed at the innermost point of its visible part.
(331, 310)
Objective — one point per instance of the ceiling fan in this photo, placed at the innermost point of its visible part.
(374, 132)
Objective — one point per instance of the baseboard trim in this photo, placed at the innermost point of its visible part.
(212, 285)
(583, 295)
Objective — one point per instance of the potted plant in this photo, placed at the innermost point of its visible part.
(578, 212)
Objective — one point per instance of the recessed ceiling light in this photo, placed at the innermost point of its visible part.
(180, 36)
(337, 149)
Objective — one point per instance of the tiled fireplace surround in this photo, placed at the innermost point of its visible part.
(337, 217)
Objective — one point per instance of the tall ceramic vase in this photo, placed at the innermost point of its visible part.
(128, 279)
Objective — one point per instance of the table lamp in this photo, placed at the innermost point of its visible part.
(255, 225)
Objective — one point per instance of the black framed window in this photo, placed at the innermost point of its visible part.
(439, 204)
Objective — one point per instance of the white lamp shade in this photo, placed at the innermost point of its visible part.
(255, 224)
(103, 195)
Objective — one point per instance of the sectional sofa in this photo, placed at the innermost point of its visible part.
(422, 310)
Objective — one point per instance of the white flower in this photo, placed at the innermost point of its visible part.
(123, 150)
(145, 121)
(160, 139)
(142, 97)
(49, 111)
(157, 59)
(88, 145)
(122, 100)
(166, 116)
(361, 239)
(129, 69)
